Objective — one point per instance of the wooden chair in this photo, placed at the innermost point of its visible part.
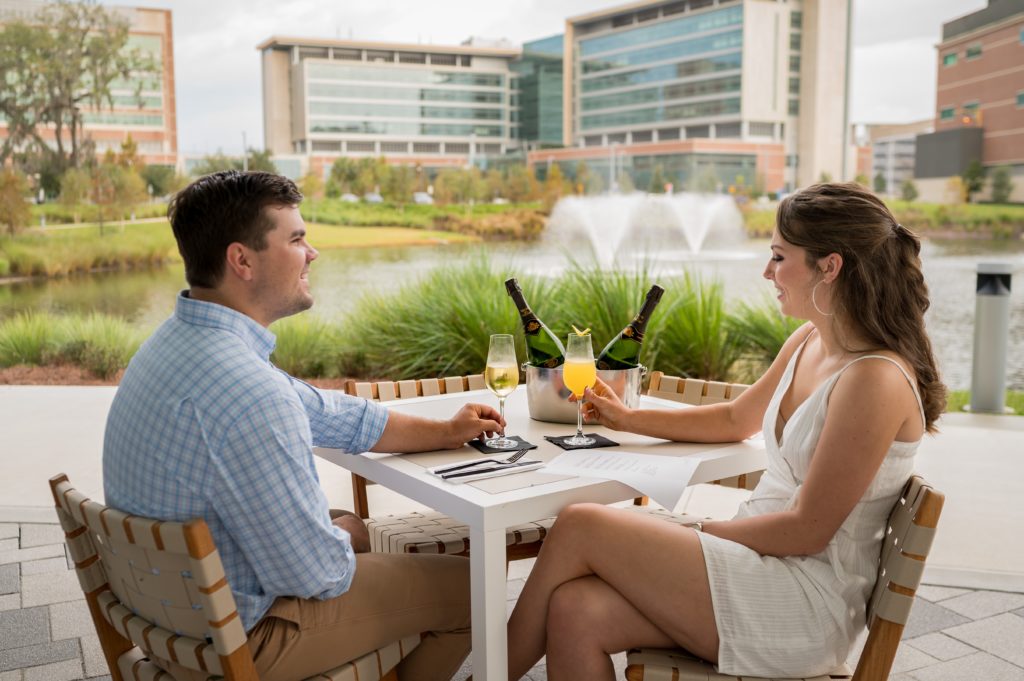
(431, 532)
(157, 590)
(908, 539)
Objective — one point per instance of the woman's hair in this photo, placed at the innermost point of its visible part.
(880, 291)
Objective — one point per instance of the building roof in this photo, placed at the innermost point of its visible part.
(996, 11)
(477, 51)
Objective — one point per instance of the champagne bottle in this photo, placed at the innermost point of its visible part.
(623, 351)
(543, 349)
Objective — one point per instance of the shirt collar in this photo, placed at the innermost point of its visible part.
(202, 313)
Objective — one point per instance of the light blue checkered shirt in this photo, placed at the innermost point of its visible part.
(204, 426)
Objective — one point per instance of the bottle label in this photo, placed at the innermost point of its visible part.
(633, 335)
(532, 327)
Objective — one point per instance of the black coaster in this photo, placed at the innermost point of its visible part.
(523, 444)
(601, 441)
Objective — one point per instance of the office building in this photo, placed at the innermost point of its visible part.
(893, 149)
(979, 108)
(152, 125)
(426, 105)
(709, 92)
(540, 68)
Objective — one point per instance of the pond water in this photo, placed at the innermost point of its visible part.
(339, 277)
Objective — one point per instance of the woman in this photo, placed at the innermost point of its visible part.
(781, 589)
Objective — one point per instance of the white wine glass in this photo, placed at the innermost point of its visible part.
(501, 376)
(580, 372)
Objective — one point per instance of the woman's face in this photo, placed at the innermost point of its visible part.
(793, 278)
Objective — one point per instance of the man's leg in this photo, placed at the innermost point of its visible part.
(392, 596)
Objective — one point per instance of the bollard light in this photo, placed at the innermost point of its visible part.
(991, 338)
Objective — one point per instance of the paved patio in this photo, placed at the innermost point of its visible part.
(968, 622)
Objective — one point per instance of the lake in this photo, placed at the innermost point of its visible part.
(339, 277)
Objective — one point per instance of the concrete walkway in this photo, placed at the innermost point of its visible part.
(967, 624)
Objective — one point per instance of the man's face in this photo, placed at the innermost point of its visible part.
(281, 272)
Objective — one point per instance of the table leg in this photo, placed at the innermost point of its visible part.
(488, 578)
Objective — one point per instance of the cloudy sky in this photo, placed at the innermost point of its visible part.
(218, 72)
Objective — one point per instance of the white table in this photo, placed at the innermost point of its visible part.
(488, 507)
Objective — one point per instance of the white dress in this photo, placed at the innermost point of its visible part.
(799, 616)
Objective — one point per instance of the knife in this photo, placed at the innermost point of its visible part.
(481, 471)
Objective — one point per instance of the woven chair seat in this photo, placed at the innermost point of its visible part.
(652, 664)
(373, 666)
(432, 532)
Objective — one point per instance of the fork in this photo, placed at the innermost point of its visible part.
(518, 454)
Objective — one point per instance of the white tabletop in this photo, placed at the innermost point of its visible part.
(490, 506)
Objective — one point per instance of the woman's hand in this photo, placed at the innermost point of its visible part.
(604, 406)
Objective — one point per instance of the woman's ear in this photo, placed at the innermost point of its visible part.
(830, 267)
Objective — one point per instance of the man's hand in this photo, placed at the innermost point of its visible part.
(473, 421)
(354, 525)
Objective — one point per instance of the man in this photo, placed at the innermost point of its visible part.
(204, 426)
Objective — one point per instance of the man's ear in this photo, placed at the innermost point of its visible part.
(239, 261)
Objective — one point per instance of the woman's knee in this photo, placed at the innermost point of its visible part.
(580, 516)
(573, 607)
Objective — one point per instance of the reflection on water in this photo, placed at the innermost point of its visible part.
(339, 278)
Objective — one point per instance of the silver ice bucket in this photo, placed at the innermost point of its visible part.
(548, 398)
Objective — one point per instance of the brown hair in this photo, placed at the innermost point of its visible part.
(219, 209)
(880, 291)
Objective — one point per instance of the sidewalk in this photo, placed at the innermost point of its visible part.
(967, 624)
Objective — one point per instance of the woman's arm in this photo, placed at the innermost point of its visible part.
(868, 406)
(724, 422)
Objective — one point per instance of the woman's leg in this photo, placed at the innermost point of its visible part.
(657, 567)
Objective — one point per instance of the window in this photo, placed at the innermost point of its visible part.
(794, 107)
(949, 59)
(974, 51)
(796, 19)
(947, 113)
(1022, 36)
(794, 41)
(971, 108)
(1020, 99)
(794, 63)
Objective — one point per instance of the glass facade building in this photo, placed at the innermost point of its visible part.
(540, 92)
(423, 102)
(143, 105)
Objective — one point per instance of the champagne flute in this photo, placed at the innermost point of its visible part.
(580, 372)
(501, 376)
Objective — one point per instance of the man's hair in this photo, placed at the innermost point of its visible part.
(219, 209)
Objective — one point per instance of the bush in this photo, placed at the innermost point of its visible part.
(307, 346)
(100, 343)
(26, 338)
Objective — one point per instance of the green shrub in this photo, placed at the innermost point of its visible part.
(100, 343)
(438, 326)
(761, 329)
(695, 338)
(5, 267)
(307, 346)
(27, 338)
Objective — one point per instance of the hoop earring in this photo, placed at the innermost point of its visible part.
(815, 303)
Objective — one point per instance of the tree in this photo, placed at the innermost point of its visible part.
(825, 177)
(74, 189)
(343, 175)
(128, 156)
(14, 209)
(495, 183)
(880, 185)
(862, 180)
(956, 189)
(115, 190)
(163, 179)
(70, 58)
(259, 160)
(908, 190)
(312, 188)
(1002, 187)
(582, 178)
(974, 179)
(657, 185)
(401, 181)
(520, 183)
(554, 186)
(213, 163)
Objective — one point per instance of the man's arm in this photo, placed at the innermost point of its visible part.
(405, 433)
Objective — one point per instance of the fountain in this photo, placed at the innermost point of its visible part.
(651, 227)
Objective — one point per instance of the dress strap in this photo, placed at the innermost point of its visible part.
(913, 384)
